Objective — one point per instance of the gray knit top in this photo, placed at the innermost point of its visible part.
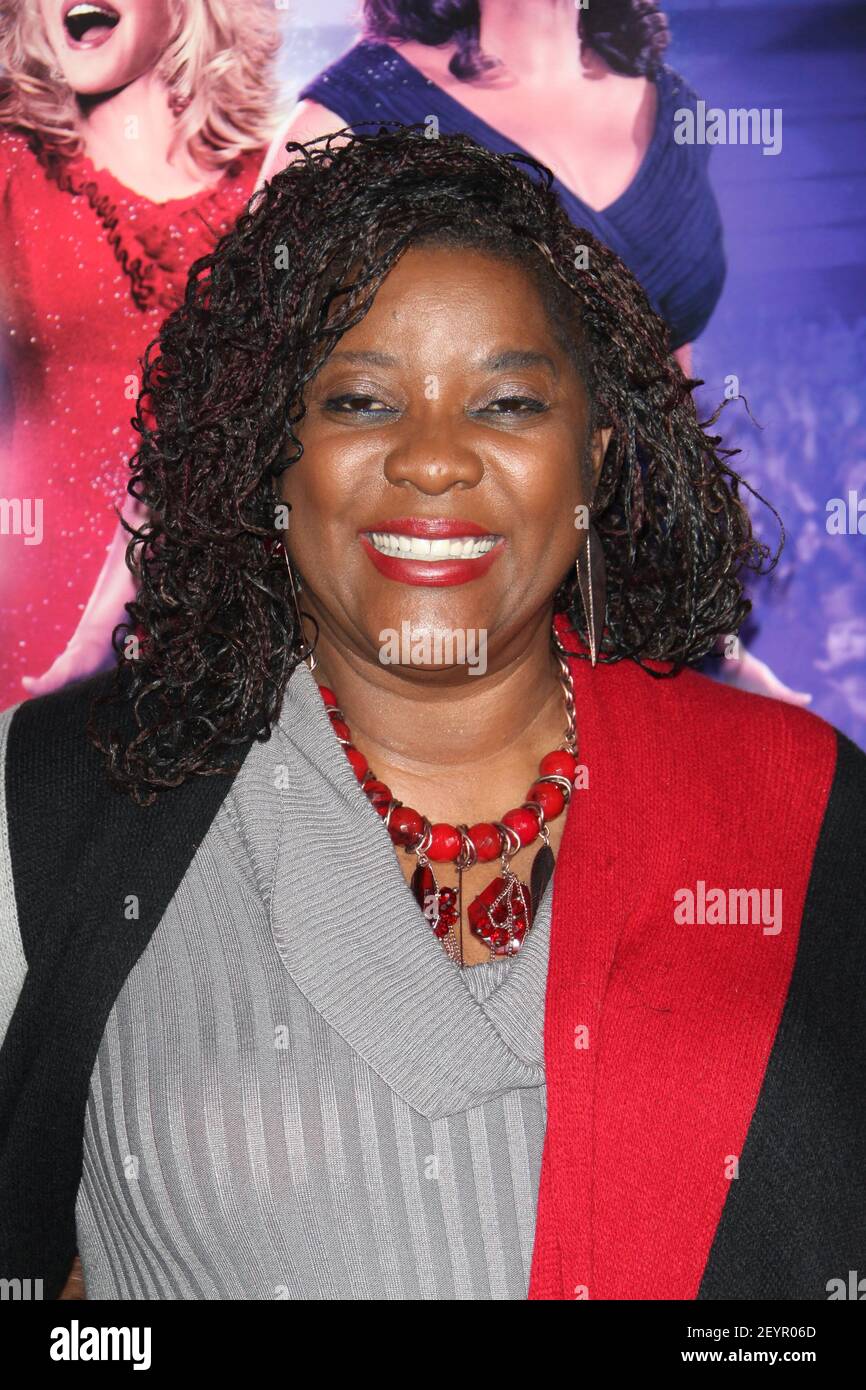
(297, 1094)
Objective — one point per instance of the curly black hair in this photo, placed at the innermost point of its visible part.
(631, 35)
(223, 390)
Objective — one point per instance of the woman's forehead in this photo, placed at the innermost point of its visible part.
(472, 293)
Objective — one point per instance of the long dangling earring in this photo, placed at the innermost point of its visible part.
(592, 582)
(305, 656)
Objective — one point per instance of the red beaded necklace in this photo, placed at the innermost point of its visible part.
(502, 914)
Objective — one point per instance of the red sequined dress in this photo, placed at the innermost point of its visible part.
(88, 270)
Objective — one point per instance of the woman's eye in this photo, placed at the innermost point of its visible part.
(515, 405)
(357, 405)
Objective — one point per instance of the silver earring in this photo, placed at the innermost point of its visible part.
(592, 582)
(309, 656)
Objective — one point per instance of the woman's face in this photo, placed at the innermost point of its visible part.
(449, 412)
(103, 45)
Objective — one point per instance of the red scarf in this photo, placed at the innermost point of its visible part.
(657, 1034)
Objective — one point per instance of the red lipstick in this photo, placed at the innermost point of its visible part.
(451, 570)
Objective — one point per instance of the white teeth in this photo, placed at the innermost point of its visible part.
(88, 9)
(418, 548)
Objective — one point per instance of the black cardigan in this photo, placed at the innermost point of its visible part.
(63, 812)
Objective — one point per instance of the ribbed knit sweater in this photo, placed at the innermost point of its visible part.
(704, 1019)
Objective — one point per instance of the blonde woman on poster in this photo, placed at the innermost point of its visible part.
(131, 134)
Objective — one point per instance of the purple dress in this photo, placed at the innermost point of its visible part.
(665, 226)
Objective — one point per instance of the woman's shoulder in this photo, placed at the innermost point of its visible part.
(51, 725)
(56, 789)
(723, 736)
(371, 72)
(700, 768)
(673, 86)
(40, 746)
(721, 703)
(365, 57)
(17, 156)
(787, 751)
(69, 830)
(15, 144)
(677, 111)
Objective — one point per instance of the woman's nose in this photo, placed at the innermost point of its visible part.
(433, 455)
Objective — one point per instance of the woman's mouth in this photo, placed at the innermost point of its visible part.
(453, 558)
(89, 25)
(419, 548)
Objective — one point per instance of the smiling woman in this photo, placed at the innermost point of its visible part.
(437, 400)
(377, 981)
(427, 380)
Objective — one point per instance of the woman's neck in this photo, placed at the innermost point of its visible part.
(536, 42)
(443, 723)
(130, 134)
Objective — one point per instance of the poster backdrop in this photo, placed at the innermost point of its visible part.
(780, 113)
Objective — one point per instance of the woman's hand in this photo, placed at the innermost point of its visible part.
(684, 356)
(86, 654)
(747, 672)
(308, 121)
(74, 1286)
(89, 649)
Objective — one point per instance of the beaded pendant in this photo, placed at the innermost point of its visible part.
(502, 914)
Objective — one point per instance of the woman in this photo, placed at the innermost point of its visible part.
(260, 1054)
(583, 89)
(131, 137)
